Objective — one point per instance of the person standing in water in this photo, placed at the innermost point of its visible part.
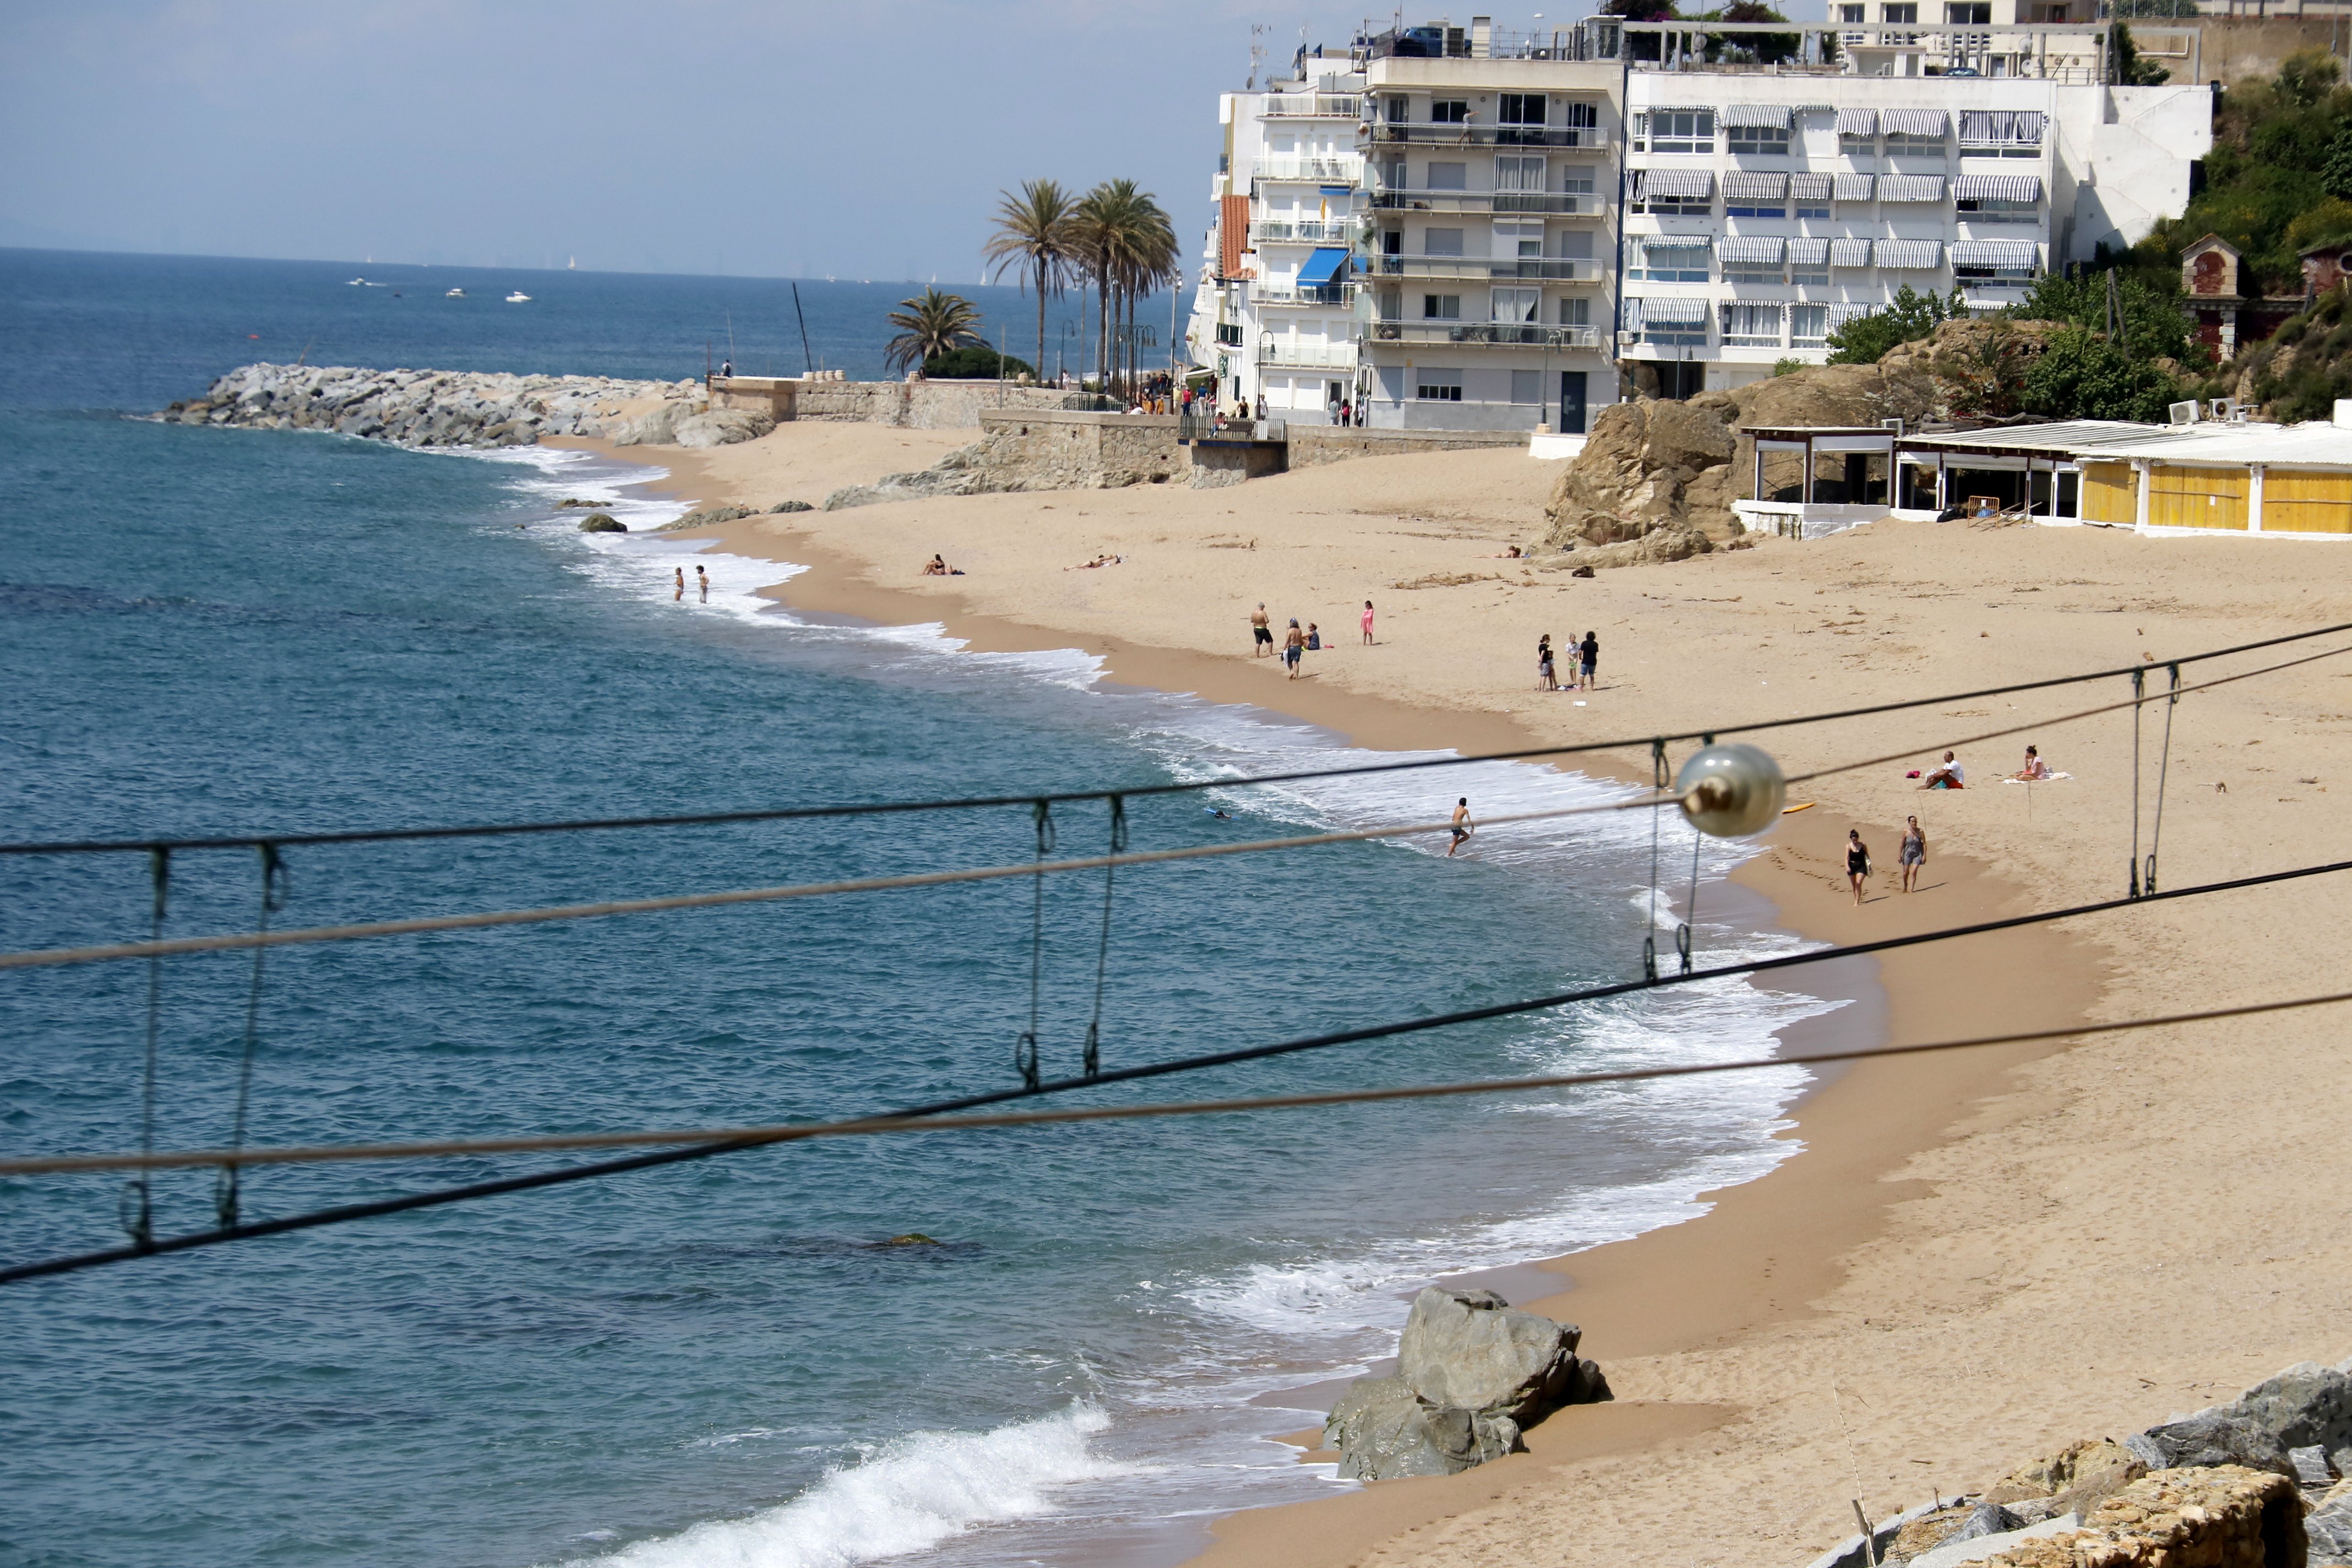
(1914, 853)
(1857, 863)
(1463, 826)
(702, 580)
(679, 592)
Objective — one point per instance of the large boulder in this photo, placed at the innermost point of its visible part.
(2307, 1405)
(1635, 473)
(2210, 1437)
(1471, 1374)
(2077, 1475)
(2330, 1528)
(721, 427)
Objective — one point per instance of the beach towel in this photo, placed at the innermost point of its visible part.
(2053, 778)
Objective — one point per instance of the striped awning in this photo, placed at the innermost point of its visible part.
(1810, 188)
(1851, 187)
(1841, 314)
(1910, 187)
(1849, 253)
(1857, 122)
(1673, 241)
(1751, 249)
(1913, 121)
(1998, 187)
(1911, 255)
(2008, 254)
(1686, 183)
(2001, 127)
(1775, 115)
(1741, 185)
(1661, 311)
(1811, 252)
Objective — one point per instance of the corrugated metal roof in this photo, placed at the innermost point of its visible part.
(2314, 442)
(2060, 435)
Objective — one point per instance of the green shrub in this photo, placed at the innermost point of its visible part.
(974, 363)
(1787, 366)
(2080, 376)
(1910, 317)
(2152, 320)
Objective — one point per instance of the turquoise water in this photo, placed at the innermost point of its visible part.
(211, 630)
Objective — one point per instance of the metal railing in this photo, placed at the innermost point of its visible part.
(1217, 427)
(1488, 267)
(1498, 334)
(1398, 199)
(1312, 294)
(1331, 231)
(1318, 356)
(1315, 106)
(1424, 134)
(1337, 169)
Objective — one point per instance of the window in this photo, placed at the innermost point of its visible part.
(1812, 207)
(1451, 110)
(1751, 326)
(1850, 14)
(1435, 385)
(1440, 242)
(1810, 194)
(1810, 272)
(1526, 386)
(1906, 11)
(1662, 264)
(1994, 209)
(1768, 141)
(1669, 205)
(1576, 185)
(1753, 208)
(1808, 326)
(1230, 333)
(1400, 110)
(1676, 130)
(1575, 245)
(1969, 14)
(1577, 312)
(1518, 305)
(1441, 307)
(1900, 143)
(1994, 274)
(1448, 176)
(1581, 116)
(1518, 173)
(1522, 109)
(1752, 272)
(1670, 323)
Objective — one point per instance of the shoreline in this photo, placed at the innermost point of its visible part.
(1764, 1252)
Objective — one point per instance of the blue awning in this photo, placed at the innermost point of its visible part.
(1323, 267)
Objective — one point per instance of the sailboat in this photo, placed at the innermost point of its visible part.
(572, 264)
(454, 294)
(518, 297)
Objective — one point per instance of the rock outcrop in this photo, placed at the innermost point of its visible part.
(1050, 449)
(1472, 1374)
(442, 409)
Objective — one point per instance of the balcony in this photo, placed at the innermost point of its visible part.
(1312, 231)
(1342, 294)
(1310, 357)
(1392, 199)
(1341, 169)
(1488, 267)
(1429, 135)
(1498, 335)
(1314, 106)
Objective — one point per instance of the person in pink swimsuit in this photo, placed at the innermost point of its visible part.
(1368, 623)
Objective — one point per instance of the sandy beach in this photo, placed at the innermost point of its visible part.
(1975, 1256)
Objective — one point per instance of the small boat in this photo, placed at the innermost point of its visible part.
(572, 265)
(357, 283)
(454, 294)
(518, 297)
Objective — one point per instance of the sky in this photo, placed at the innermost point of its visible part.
(772, 138)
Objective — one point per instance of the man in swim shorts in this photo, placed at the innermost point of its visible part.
(1293, 645)
(1462, 825)
(1265, 638)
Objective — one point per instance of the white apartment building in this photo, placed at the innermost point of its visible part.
(1455, 228)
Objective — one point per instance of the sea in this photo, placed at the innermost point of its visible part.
(736, 1362)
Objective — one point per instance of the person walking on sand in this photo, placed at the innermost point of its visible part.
(1914, 853)
(679, 592)
(1263, 643)
(1857, 863)
(1463, 826)
(1545, 680)
(702, 581)
(1368, 623)
(1293, 645)
(1588, 660)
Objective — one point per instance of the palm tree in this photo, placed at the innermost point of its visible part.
(1034, 235)
(1099, 221)
(1128, 246)
(928, 326)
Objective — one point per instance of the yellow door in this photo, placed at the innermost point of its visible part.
(2196, 498)
(2306, 502)
(2109, 494)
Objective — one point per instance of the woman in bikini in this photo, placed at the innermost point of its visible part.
(1857, 863)
(1914, 853)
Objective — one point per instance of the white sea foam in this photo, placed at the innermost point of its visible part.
(904, 1497)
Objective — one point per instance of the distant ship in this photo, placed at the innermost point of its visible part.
(518, 297)
(572, 264)
(358, 283)
(454, 294)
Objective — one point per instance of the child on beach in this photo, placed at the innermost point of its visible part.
(1544, 681)
(1368, 623)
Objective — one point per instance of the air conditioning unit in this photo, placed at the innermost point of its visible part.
(2183, 413)
(2228, 410)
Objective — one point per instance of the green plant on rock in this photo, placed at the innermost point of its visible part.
(1790, 366)
(2082, 377)
(2152, 322)
(975, 362)
(1908, 317)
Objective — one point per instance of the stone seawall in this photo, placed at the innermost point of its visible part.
(1039, 449)
(921, 405)
(1312, 444)
(447, 408)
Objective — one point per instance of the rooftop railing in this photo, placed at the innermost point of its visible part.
(1315, 106)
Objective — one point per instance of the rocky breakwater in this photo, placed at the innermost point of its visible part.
(1472, 1374)
(468, 409)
